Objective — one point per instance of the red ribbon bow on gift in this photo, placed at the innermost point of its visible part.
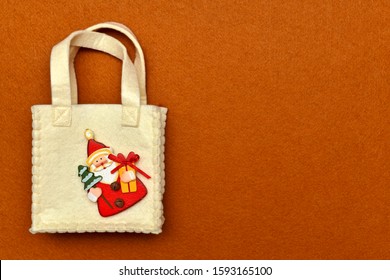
(131, 159)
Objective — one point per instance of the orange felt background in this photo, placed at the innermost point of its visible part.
(278, 141)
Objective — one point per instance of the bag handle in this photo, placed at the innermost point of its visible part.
(61, 83)
(139, 61)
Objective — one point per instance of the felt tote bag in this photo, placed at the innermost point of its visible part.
(97, 167)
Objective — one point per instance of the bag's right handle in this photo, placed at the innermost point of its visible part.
(139, 60)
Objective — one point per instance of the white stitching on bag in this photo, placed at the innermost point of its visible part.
(129, 116)
(62, 116)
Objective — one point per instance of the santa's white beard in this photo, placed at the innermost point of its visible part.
(108, 178)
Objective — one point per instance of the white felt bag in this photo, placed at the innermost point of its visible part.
(97, 167)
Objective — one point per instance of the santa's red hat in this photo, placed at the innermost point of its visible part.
(95, 148)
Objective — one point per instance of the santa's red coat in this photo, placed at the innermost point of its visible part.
(108, 202)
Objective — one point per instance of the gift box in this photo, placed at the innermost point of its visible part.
(127, 171)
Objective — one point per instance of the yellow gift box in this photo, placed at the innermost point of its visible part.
(130, 186)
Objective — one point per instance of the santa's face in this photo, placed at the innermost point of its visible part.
(102, 166)
(100, 161)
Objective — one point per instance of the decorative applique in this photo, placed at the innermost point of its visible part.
(111, 180)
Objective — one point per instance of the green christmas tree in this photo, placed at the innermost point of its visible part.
(88, 178)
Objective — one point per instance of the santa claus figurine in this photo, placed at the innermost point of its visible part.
(108, 194)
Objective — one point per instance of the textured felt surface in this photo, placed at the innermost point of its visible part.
(59, 200)
(278, 140)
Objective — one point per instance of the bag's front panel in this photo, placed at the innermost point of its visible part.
(60, 199)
